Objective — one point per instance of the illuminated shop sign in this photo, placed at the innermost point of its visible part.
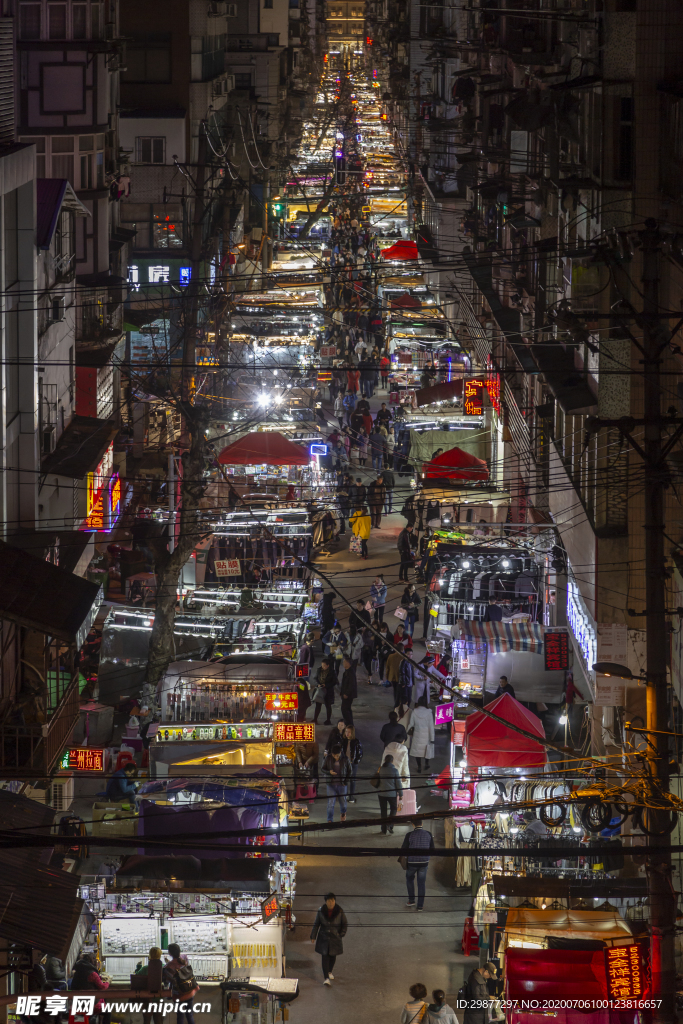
(580, 625)
(624, 972)
(83, 759)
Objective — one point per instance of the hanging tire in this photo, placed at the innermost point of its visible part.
(551, 820)
(596, 815)
(640, 821)
(624, 810)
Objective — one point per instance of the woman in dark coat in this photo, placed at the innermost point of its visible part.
(329, 928)
(327, 616)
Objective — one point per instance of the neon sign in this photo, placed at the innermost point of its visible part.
(473, 398)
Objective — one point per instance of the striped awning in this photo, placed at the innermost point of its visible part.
(504, 636)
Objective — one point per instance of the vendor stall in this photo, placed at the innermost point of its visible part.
(202, 905)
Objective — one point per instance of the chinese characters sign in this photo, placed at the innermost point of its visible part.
(624, 972)
(282, 701)
(444, 713)
(473, 397)
(227, 567)
(83, 759)
(556, 650)
(30, 1006)
(294, 732)
(270, 907)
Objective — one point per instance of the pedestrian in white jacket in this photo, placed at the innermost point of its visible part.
(421, 732)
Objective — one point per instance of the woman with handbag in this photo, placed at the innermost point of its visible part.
(326, 681)
(353, 749)
(415, 1010)
(410, 602)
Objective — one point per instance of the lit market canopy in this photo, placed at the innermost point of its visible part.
(404, 250)
(504, 636)
(490, 744)
(536, 926)
(457, 464)
(264, 448)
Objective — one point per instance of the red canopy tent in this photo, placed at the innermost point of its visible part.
(489, 744)
(404, 250)
(266, 447)
(458, 464)
(406, 301)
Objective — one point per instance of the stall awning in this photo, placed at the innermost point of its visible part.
(268, 448)
(555, 974)
(536, 925)
(439, 392)
(457, 464)
(490, 744)
(401, 251)
(504, 636)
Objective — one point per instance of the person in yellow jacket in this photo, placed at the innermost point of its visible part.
(361, 524)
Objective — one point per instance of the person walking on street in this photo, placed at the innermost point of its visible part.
(361, 524)
(389, 483)
(421, 732)
(415, 1010)
(410, 601)
(378, 596)
(353, 749)
(416, 849)
(348, 689)
(329, 928)
(326, 681)
(392, 731)
(477, 994)
(376, 501)
(405, 551)
(389, 792)
(336, 772)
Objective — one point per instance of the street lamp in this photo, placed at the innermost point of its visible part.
(609, 668)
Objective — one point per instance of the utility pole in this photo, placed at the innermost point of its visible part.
(660, 890)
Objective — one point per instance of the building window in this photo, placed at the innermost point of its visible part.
(243, 80)
(40, 154)
(96, 21)
(63, 157)
(267, 5)
(273, 39)
(56, 21)
(29, 21)
(150, 150)
(79, 14)
(148, 57)
(157, 226)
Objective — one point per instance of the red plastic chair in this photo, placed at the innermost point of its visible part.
(470, 938)
(125, 757)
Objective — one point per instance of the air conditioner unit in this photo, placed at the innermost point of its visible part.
(48, 438)
(62, 795)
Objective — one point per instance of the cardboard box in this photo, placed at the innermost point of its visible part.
(112, 820)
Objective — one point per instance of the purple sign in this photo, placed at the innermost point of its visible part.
(444, 713)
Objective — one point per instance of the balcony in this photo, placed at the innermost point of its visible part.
(33, 750)
(207, 65)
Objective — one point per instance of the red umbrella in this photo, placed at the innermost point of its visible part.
(401, 251)
(266, 447)
(457, 464)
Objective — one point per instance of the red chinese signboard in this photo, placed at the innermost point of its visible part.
(282, 701)
(83, 759)
(624, 970)
(302, 671)
(270, 908)
(294, 732)
(556, 649)
(473, 397)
